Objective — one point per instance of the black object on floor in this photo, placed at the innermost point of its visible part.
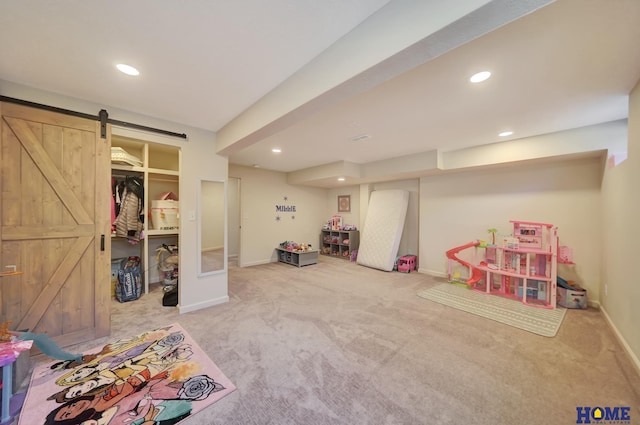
(170, 297)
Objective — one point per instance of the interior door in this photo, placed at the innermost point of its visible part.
(54, 224)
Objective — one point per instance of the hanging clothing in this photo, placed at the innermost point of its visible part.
(129, 221)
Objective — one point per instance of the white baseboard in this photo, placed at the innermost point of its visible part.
(432, 272)
(632, 356)
(593, 304)
(258, 263)
(213, 248)
(199, 306)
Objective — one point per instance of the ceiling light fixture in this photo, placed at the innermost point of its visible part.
(276, 150)
(505, 133)
(340, 179)
(480, 77)
(127, 69)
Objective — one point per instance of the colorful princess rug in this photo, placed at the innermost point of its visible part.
(159, 377)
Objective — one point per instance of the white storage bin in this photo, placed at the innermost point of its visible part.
(119, 155)
(165, 215)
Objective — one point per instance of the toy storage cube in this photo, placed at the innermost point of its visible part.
(165, 214)
(572, 298)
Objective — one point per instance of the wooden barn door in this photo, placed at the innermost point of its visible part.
(54, 211)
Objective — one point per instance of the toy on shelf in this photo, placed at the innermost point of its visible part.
(336, 222)
(296, 247)
(523, 266)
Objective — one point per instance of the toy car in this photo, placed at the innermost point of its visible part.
(407, 263)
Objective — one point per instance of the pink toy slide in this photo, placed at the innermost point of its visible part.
(476, 273)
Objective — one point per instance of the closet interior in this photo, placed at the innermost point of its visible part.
(145, 180)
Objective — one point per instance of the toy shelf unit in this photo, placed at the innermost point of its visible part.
(339, 243)
(297, 258)
(524, 267)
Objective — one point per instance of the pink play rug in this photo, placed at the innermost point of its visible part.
(158, 377)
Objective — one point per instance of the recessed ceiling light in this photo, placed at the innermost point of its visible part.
(127, 69)
(505, 133)
(276, 150)
(340, 179)
(256, 165)
(480, 77)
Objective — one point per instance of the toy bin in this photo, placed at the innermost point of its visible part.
(165, 214)
(572, 298)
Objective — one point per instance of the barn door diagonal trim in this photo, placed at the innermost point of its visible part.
(55, 284)
(40, 157)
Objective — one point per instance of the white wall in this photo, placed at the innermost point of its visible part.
(233, 216)
(620, 291)
(198, 161)
(352, 217)
(457, 208)
(359, 205)
(261, 191)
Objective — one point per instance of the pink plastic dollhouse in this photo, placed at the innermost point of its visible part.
(522, 267)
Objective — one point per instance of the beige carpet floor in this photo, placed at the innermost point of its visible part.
(338, 343)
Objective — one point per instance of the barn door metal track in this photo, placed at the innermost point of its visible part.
(103, 117)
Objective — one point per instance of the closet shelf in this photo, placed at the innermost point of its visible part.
(155, 232)
(123, 167)
(163, 172)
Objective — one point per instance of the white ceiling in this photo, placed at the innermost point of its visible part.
(308, 75)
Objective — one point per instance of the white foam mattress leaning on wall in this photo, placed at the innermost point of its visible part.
(382, 230)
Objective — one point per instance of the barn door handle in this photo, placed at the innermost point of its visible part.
(101, 242)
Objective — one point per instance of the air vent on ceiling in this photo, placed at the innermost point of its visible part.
(360, 138)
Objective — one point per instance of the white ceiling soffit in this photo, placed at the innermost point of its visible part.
(308, 75)
(565, 66)
(395, 39)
